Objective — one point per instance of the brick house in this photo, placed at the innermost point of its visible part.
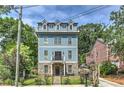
(103, 52)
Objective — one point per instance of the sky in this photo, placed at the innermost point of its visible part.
(36, 14)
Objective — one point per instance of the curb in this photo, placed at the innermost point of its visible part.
(111, 83)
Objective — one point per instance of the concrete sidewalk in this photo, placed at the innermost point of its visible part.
(107, 83)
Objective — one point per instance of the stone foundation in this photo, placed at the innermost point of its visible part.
(74, 68)
(41, 68)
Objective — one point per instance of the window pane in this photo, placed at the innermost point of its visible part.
(63, 26)
(69, 40)
(57, 27)
(55, 40)
(59, 40)
(45, 40)
(44, 26)
(46, 69)
(46, 55)
(70, 27)
(69, 54)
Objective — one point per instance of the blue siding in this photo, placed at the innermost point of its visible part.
(51, 47)
(65, 50)
(64, 40)
(64, 47)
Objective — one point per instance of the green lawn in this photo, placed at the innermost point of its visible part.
(73, 80)
(66, 80)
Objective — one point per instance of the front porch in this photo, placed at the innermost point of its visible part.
(58, 69)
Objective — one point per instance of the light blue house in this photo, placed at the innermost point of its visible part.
(57, 48)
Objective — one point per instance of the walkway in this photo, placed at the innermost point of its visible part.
(106, 83)
(56, 80)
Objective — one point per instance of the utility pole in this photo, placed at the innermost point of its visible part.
(18, 46)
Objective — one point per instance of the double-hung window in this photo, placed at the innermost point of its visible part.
(69, 55)
(46, 40)
(57, 40)
(69, 41)
(45, 68)
(46, 54)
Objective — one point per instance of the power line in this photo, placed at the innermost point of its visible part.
(27, 6)
(85, 13)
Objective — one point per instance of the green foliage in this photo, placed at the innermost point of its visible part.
(47, 81)
(5, 9)
(87, 37)
(29, 82)
(82, 58)
(67, 81)
(8, 33)
(107, 68)
(8, 82)
(9, 59)
(39, 81)
(4, 72)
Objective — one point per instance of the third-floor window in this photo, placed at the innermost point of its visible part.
(44, 27)
(57, 40)
(69, 41)
(70, 27)
(57, 27)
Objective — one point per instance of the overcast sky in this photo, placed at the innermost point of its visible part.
(51, 13)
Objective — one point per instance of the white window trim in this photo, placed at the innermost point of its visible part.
(47, 69)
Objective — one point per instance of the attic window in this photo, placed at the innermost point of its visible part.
(44, 27)
(57, 27)
(70, 27)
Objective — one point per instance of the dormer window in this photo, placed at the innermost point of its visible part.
(70, 27)
(57, 27)
(51, 25)
(44, 27)
(64, 26)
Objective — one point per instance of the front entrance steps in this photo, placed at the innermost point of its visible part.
(56, 80)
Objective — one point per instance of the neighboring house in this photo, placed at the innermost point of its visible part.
(57, 48)
(102, 52)
(99, 52)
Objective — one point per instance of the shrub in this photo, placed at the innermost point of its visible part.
(108, 68)
(4, 72)
(9, 82)
(28, 82)
(39, 81)
(67, 81)
(47, 81)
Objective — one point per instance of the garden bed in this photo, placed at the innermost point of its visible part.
(115, 78)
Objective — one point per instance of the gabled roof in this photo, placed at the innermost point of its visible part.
(99, 40)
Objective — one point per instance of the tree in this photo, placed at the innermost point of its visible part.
(107, 68)
(8, 33)
(4, 72)
(87, 37)
(117, 18)
(5, 9)
(26, 64)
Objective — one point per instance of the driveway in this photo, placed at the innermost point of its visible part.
(106, 83)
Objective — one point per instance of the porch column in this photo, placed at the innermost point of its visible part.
(51, 69)
(64, 69)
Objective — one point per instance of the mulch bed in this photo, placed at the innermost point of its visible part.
(114, 78)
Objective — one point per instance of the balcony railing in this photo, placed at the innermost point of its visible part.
(57, 58)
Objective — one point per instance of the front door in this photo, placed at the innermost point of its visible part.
(57, 70)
